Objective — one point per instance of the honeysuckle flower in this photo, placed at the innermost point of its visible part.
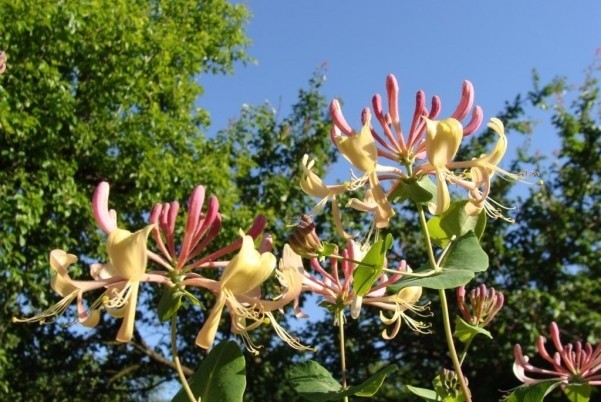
(314, 186)
(573, 363)
(443, 139)
(442, 142)
(200, 230)
(393, 145)
(69, 289)
(484, 304)
(243, 274)
(363, 148)
(127, 260)
(290, 276)
(361, 151)
(335, 286)
(121, 276)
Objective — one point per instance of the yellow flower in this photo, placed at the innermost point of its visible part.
(314, 186)
(127, 259)
(443, 139)
(244, 273)
(360, 148)
(69, 289)
(442, 142)
(405, 299)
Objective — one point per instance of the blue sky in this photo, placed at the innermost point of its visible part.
(429, 45)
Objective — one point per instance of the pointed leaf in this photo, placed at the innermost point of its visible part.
(455, 222)
(532, 393)
(427, 394)
(371, 266)
(328, 249)
(445, 279)
(370, 386)
(315, 383)
(170, 302)
(463, 258)
(465, 332)
(221, 376)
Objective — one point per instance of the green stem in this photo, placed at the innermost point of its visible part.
(342, 348)
(465, 349)
(178, 365)
(449, 335)
(429, 248)
(444, 306)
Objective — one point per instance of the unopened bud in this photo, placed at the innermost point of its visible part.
(304, 240)
(484, 304)
(449, 385)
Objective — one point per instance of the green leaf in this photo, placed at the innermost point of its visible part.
(419, 191)
(466, 253)
(221, 376)
(371, 266)
(445, 279)
(427, 394)
(455, 222)
(170, 302)
(465, 332)
(578, 392)
(328, 249)
(370, 386)
(463, 258)
(532, 393)
(315, 383)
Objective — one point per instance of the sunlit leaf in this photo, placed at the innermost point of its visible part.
(578, 392)
(221, 376)
(455, 222)
(419, 191)
(170, 302)
(532, 393)
(463, 258)
(371, 266)
(465, 332)
(315, 383)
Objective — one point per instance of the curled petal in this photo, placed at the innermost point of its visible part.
(127, 252)
(61, 283)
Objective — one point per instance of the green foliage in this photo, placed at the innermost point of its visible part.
(463, 258)
(315, 383)
(419, 191)
(455, 222)
(94, 92)
(371, 266)
(532, 393)
(466, 332)
(221, 376)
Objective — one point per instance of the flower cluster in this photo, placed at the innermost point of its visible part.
(238, 287)
(335, 285)
(429, 149)
(573, 363)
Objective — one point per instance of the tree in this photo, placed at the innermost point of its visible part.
(94, 92)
